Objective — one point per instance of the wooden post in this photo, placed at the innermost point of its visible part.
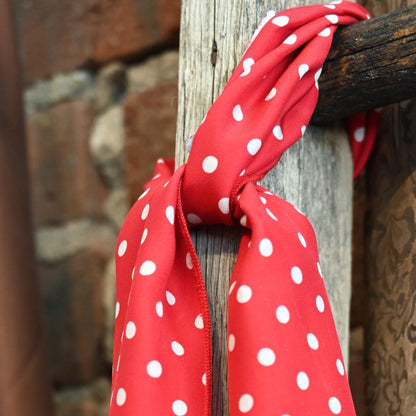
(315, 174)
(391, 252)
(24, 383)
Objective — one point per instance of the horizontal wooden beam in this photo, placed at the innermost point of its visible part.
(371, 64)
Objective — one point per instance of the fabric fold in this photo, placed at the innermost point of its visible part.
(283, 353)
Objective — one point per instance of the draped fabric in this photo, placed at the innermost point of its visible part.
(284, 357)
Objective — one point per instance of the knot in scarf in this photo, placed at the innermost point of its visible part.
(283, 353)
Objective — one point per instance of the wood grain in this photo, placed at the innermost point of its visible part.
(315, 174)
(371, 64)
(391, 249)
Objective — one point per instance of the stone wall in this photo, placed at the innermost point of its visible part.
(101, 101)
(93, 138)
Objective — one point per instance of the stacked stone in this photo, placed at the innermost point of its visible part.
(101, 104)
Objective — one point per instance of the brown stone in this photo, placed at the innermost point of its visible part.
(150, 119)
(59, 36)
(65, 184)
(72, 292)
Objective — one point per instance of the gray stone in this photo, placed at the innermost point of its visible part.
(110, 86)
(109, 297)
(107, 143)
(62, 86)
(56, 243)
(154, 71)
(89, 400)
(116, 206)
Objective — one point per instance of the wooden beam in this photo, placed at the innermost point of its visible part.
(314, 174)
(371, 64)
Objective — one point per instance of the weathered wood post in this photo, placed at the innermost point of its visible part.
(24, 384)
(391, 269)
(315, 174)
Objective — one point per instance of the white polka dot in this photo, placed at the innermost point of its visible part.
(302, 239)
(271, 94)
(334, 405)
(296, 275)
(224, 205)
(266, 247)
(122, 248)
(121, 397)
(179, 408)
(283, 314)
(271, 215)
(209, 164)
(166, 184)
(244, 294)
(302, 380)
(319, 268)
(147, 268)
(177, 348)
(254, 146)
(302, 70)
(359, 134)
(144, 236)
(325, 33)
(302, 130)
(280, 21)
(290, 40)
(145, 211)
(263, 200)
(193, 219)
(170, 214)
(144, 193)
(188, 260)
(160, 160)
(243, 221)
(320, 305)
(231, 342)
(170, 298)
(204, 379)
(237, 113)
(340, 367)
(247, 63)
(154, 369)
(333, 18)
(245, 403)
(277, 132)
(312, 341)
(130, 330)
(199, 322)
(232, 286)
(159, 309)
(117, 311)
(316, 76)
(330, 6)
(158, 175)
(266, 357)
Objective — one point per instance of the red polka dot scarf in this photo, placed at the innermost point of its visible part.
(283, 353)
